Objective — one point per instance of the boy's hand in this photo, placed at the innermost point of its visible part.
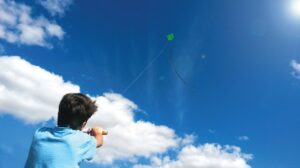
(96, 130)
(97, 133)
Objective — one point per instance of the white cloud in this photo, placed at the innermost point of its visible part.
(55, 30)
(18, 26)
(2, 32)
(243, 138)
(128, 138)
(56, 7)
(188, 139)
(32, 94)
(296, 68)
(31, 34)
(203, 156)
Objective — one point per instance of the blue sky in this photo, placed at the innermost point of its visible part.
(234, 55)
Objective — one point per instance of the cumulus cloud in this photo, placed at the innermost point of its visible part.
(56, 7)
(188, 139)
(296, 68)
(32, 94)
(128, 138)
(203, 156)
(17, 25)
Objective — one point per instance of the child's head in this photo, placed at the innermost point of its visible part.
(74, 110)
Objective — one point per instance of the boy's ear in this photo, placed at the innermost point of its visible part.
(83, 125)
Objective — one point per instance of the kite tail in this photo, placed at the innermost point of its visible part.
(171, 61)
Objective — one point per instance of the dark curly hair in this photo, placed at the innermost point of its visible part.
(74, 110)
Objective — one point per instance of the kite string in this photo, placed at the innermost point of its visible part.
(145, 69)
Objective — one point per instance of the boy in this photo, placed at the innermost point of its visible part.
(66, 146)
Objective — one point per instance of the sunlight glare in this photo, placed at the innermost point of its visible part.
(295, 7)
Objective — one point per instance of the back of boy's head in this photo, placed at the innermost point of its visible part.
(74, 110)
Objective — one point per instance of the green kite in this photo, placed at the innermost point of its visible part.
(170, 37)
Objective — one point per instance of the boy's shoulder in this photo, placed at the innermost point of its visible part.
(60, 132)
(44, 132)
(43, 129)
